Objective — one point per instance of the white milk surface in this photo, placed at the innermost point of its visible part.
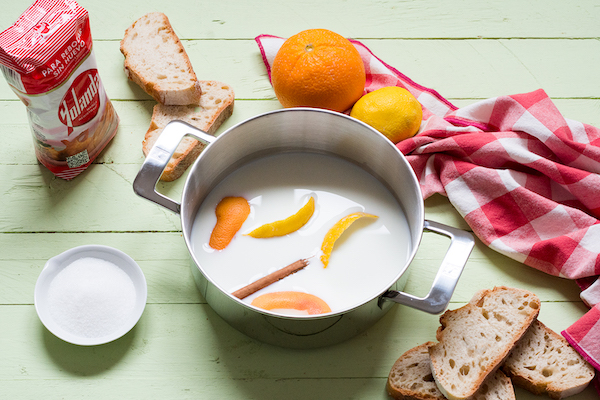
(365, 259)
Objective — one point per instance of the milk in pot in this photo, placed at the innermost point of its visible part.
(365, 260)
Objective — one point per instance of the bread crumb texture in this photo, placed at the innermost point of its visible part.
(411, 378)
(544, 362)
(214, 107)
(156, 60)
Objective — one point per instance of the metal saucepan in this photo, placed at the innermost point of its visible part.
(316, 131)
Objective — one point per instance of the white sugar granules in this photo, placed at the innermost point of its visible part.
(91, 297)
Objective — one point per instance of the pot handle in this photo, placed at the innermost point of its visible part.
(157, 159)
(445, 281)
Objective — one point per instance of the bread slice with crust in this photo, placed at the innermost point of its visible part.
(156, 60)
(543, 362)
(410, 379)
(475, 339)
(214, 107)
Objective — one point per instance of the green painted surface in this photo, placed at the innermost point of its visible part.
(466, 50)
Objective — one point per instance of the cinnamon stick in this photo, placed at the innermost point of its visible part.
(270, 279)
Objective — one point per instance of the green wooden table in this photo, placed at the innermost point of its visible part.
(467, 50)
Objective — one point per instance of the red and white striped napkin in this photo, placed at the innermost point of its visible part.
(525, 179)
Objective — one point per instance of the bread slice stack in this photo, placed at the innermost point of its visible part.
(156, 60)
(215, 106)
(496, 332)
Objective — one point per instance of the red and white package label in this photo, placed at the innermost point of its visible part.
(47, 58)
(81, 101)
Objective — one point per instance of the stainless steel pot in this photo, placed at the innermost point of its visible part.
(304, 130)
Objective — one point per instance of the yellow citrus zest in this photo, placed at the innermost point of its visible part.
(288, 225)
(336, 231)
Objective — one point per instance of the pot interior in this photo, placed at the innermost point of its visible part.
(288, 133)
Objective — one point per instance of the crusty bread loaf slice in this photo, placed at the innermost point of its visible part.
(215, 106)
(156, 60)
(475, 339)
(496, 387)
(544, 362)
(410, 379)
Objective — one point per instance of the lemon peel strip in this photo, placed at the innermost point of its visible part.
(336, 231)
(288, 225)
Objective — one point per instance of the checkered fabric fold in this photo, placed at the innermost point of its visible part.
(525, 179)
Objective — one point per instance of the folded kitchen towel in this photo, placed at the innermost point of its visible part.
(525, 179)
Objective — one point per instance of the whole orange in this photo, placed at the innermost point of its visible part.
(318, 68)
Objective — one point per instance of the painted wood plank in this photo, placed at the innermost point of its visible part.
(169, 281)
(141, 246)
(471, 69)
(466, 50)
(353, 18)
(190, 350)
(195, 335)
(184, 388)
(126, 147)
(35, 201)
(489, 68)
(165, 261)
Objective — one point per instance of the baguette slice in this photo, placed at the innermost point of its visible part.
(475, 339)
(156, 60)
(410, 379)
(215, 106)
(543, 362)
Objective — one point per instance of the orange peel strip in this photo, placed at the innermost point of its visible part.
(292, 300)
(288, 225)
(231, 214)
(336, 231)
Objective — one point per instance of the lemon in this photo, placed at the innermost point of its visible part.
(392, 110)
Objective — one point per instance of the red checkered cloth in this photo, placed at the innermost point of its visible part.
(525, 179)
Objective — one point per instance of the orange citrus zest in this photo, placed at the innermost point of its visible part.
(231, 213)
(288, 225)
(292, 300)
(336, 231)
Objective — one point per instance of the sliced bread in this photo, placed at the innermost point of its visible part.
(156, 60)
(475, 339)
(544, 362)
(410, 379)
(214, 107)
(496, 387)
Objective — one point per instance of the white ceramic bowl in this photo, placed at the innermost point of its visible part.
(53, 313)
